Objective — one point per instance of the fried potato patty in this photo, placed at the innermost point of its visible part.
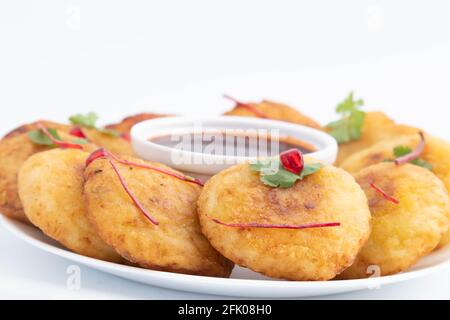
(437, 153)
(127, 123)
(176, 244)
(377, 127)
(401, 233)
(237, 195)
(116, 145)
(14, 151)
(33, 126)
(275, 111)
(51, 191)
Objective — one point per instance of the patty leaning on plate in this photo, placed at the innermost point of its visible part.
(410, 214)
(15, 149)
(434, 156)
(51, 190)
(24, 141)
(285, 218)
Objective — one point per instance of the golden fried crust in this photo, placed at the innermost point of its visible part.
(116, 145)
(127, 123)
(14, 151)
(437, 152)
(276, 111)
(377, 127)
(176, 244)
(51, 190)
(401, 233)
(236, 195)
(33, 126)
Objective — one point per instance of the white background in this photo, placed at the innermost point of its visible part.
(61, 57)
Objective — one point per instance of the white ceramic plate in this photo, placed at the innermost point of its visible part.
(243, 283)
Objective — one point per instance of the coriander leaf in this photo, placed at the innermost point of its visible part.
(356, 121)
(274, 175)
(349, 105)
(86, 120)
(40, 138)
(310, 169)
(54, 133)
(282, 179)
(402, 151)
(110, 132)
(350, 126)
(267, 166)
(422, 163)
(89, 120)
(339, 130)
(80, 141)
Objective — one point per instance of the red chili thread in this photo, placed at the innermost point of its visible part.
(103, 153)
(60, 144)
(276, 226)
(132, 196)
(384, 194)
(414, 154)
(247, 106)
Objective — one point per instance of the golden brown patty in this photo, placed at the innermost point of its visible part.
(377, 127)
(236, 195)
(401, 233)
(275, 111)
(33, 126)
(14, 151)
(116, 145)
(51, 190)
(437, 153)
(176, 244)
(127, 123)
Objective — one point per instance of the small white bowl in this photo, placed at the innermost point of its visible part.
(203, 164)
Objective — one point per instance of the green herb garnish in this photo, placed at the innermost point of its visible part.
(110, 132)
(350, 126)
(274, 175)
(80, 141)
(404, 150)
(89, 120)
(40, 138)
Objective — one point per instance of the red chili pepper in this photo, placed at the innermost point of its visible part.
(126, 136)
(292, 160)
(78, 132)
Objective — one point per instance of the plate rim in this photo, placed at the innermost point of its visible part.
(228, 283)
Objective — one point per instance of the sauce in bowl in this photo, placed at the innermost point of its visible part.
(231, 143)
